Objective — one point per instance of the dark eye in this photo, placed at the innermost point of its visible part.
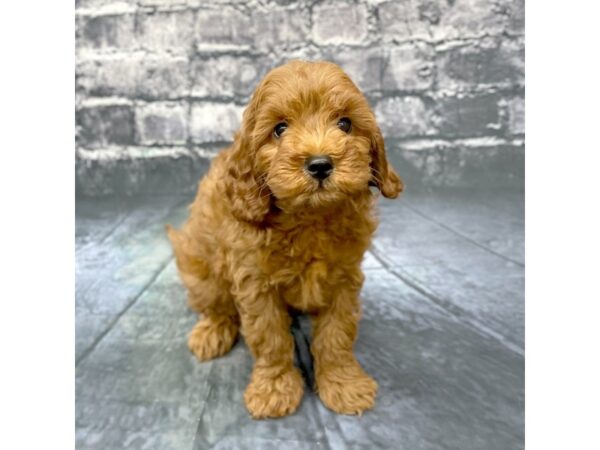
(279, 129)
(345, 125)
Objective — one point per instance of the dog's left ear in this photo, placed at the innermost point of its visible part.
(384, 176)
(247, 195)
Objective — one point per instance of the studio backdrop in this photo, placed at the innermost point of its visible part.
(161, 84)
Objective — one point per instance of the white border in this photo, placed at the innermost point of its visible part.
(562, 226)
(37, 225)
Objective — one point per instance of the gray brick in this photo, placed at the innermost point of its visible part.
(162, 123)
(399, 21)
(173, 31)
(516, 115)
(163, 78)
(440, 20)
(223, 28)
(411, 68)
(364, 66)
(468, 115)
(470, 18)
(515, 11)
(228, 76)
(95, 4)
(214, 122)
(402, 117)
(340, 22)
(430, 11)
(99, 126)
(135, 76)
(281, 29)
(108, 76)
(106, 32)
(490, 62)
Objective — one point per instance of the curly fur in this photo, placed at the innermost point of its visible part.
(263, 236)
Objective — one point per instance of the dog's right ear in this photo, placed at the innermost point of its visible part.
(246, 191)
(384, 175)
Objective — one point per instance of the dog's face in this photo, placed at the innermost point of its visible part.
(312, 139)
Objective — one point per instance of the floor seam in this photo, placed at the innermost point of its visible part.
(112, 231)
(94, 344)
(195, 443)
(80, 255)
(466, 238)
(456, 312)
(79, 252)
(104, 238)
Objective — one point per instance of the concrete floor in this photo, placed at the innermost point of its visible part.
(442, 333)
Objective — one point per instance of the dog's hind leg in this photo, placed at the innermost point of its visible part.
(213, 336)
(219, 324)
(217, 330)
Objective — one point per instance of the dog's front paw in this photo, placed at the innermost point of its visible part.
(346, 390)
(273, 396)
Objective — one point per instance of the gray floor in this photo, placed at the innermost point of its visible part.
(442, 333)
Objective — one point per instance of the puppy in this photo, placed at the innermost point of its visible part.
(282, 219)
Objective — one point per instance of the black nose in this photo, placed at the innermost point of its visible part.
(319, 167)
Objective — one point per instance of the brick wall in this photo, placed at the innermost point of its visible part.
(161, 84)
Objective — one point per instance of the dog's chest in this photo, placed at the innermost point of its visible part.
(306, 263)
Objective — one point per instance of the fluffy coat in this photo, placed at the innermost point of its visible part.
(263, 236)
